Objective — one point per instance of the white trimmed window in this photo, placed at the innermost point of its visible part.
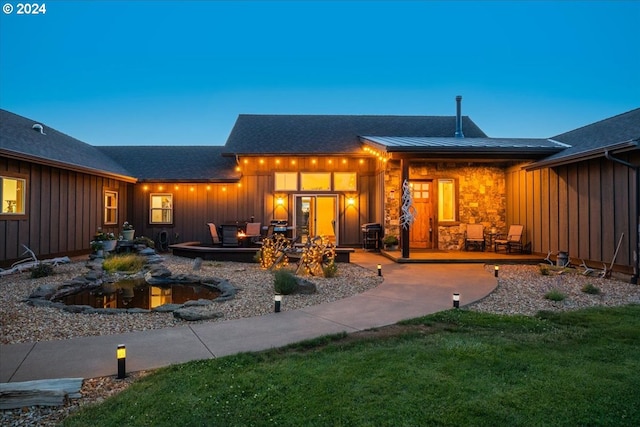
(110, 207)
(286, 181)
(13, 195)
(161, 210)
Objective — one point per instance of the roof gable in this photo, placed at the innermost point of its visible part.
(18, 138)
(332, 134)
(175, 163)
(592, 140)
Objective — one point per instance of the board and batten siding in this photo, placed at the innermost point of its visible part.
(64, 210)
(196, 204)
(581, 208)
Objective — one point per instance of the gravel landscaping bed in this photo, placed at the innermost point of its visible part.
(521, 290)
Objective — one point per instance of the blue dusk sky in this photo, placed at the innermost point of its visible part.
(179, 73)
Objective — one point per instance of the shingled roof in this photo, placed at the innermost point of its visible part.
(332, 134)
(19, 139)
(175, 163)
(615, 133)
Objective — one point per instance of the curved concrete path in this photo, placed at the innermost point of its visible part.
(408, 290)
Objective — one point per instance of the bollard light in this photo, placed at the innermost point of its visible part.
(456, 300)
(379, 269)
(121, 355)
(277, 299)
(495, 271)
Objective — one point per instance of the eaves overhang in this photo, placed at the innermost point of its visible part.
(620, 147)
(67, 166)
(470, 148)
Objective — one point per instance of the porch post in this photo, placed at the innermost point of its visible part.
(404, 231)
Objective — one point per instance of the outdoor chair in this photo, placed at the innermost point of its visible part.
(230, 235)
(215, 239)
(253, 231)
(474, 236)
(513, 240)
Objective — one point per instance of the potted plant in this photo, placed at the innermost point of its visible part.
(106, 241)
(390, 242)
(128, 231)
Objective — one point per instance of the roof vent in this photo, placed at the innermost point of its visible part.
(459, 133)
(39, 128)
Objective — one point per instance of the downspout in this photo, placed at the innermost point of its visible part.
(636, 252)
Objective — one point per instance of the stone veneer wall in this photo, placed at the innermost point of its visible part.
(481, 197)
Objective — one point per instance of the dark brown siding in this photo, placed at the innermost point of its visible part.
(64, 210)
(197, 204)
(582, 208)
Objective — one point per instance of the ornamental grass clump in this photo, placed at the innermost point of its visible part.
(126, 262)
(285, 282)
(555, 295)
(41, 270)
(591, 289)
(330, 270)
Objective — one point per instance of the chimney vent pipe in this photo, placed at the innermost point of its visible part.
(459, 133)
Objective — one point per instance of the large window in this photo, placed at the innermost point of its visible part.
(12, 195)
(316, 181)
(110, 207)
(447, 200)
(286, 181)
(344, 181)
(161, 211)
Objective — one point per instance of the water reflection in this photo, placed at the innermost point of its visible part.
(139, 294)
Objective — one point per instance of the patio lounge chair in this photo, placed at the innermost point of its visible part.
(230, 235)
(215, 239)
(253, 232)
(513, 240)
(474, 236)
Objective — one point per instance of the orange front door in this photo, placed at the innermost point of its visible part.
(421, 232)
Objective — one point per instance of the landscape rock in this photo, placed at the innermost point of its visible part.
(196, 313)
(305, 287)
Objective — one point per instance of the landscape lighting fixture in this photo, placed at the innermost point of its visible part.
(495, 271)
(121, 355)
(456, 300)
(379, 269)
(277, 299)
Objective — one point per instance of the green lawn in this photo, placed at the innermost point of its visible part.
(452, 368)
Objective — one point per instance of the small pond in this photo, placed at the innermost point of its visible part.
(139, 294)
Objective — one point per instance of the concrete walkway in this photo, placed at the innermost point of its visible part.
(408, 290)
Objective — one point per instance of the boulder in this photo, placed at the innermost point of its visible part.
(305, 287)
(196, 313)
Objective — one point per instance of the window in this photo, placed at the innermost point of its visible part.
(447, 200)
(315, 181)
(12, 195)
(286, 181)
(344, 181)
(161, 211)
(110, 207)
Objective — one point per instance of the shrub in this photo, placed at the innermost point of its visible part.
(544, 269)
(142, 240)
(125, 262)
(285, 282)
(591, 289)
(330, 270)
(41, 270)
(555, 295)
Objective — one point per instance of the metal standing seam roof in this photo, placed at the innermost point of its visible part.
(398, 143)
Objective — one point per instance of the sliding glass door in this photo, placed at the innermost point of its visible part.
(316, 215)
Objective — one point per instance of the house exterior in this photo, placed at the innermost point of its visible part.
(329, 175)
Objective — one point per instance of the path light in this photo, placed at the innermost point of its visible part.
(121, 355)
(277, 299)
(495, 271)
(379, 269)
(456, 300)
